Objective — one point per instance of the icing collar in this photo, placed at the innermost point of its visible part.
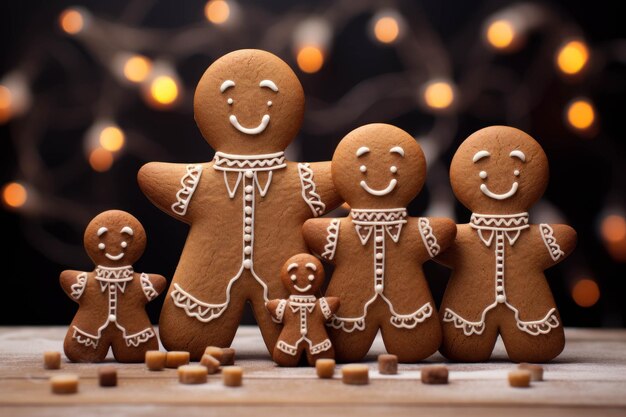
(509, 224)
(365, 221)
(263, 162)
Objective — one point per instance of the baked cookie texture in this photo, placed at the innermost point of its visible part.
(112, 298)
(245, 208)
(498, 260)
(303, 314)
(378, 250)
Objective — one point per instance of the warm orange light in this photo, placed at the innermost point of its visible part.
(345, 206)
(586, 292)
(572, 57)
(14, 195)
(137, 68)
(6, 101)
(217, 11)
(386, 29)
(112, 138)
(100, 160)
(438, 95)
(71, 21)
(614, 228)
(164, 90)
(310, 59)
(581, 114)
(501, 34)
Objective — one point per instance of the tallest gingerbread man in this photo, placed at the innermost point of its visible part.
(245, 208)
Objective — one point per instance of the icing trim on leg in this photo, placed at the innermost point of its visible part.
(195, 308)
(468, 327)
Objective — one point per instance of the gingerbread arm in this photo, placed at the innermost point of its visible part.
(332, 305)
(276, 309)
(318, 190)
(73, 283)
(322, 237)
(559, 240)
(152, 285)
(170, 187)
(437, 235)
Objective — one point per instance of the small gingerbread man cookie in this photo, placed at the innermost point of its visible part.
(245, 208)
(111, 299)
(303, 314)
(497, 284)
(378, 250)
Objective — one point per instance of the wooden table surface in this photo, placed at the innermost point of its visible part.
(589, 378)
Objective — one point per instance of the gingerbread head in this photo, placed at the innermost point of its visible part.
(249, 102)
(302, 274)
(499, 170)
(384, 173)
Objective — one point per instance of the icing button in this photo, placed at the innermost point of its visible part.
(112, 317)
(379, 239)
(379, 256)
(247, 250)
(248, 220)
(248, 210)
(500, 298)
(247, 264)
(247, 229)
(499, 288)
(247, 238)
(249, 174)
(379, 288)
(303, 331)
(379, 271)
(248, 197)
(248, 189)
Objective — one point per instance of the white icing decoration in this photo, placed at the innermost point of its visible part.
(482, 174)
(230, 100)
(102, 231)
(226, 84)
(79, 287)
(495, 196)
(292, 266)
(114, 257)
(265, 120)
(379, 193)
(303, 305)
(398, 150)
(101, 246)
(480, 155)
(311, 266)
(246, 167)
(326, 311)
(547, 234)
(518, 154)
(189, 183)
(311, 277)
(269, 84)
(362, 151)
(516, 172)
(269, 103)
(128, 230)
(309, 194)
(363, 168)
(280, 310)
(393, 169)
(509, 227)
(332, 237)
(428, 237)
(300, 289)
(147, 287)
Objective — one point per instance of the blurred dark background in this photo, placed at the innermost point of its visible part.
(89, 91)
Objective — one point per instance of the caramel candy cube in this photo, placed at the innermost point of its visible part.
(210, 363)
(228, 356)
(192, 374)
(436, 374)
(232, 376)
(155, 360)
(536, 371)
(325, 368)
(174, 359)
(52, 360)
(64, 384)
(216, 352)
(387, 364)
(107, 376)
(355, 374)
(519, 378)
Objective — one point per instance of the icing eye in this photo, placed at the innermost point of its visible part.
(363, 168)
(293, 277)
(269, 103)
(516, 172)
(311, 277)
(482, 174)
(101, 246)
(124, 244)
(230, 101)
(393, 169)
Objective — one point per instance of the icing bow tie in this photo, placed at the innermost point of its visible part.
(365, 221)
(487, 225)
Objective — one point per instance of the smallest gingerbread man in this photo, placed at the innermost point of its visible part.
(303, 314)
(111, 299)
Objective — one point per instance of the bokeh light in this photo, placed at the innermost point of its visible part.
(164, 90)
(613, 232)
(137, 68)
(217, 11)
(501, 34)
(112, 138)
(6, 101)
(586, 292)
(580, 114)
(72, 21)
(572, 57)
(100, 160)
(386, 29)
(14, 195)
(438, 95)
(310, 59)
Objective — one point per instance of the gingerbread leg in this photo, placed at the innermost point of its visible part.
(459, 347)
(78, 352)
(353, 346)
(412, 345)
(284, 359)
(269, 329)
(524, 347)
(327, 354)
(132, 354)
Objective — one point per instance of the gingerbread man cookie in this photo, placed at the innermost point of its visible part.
(112, 298)
(497, 284)
(245, 208)
(378, 250)
(303, 314)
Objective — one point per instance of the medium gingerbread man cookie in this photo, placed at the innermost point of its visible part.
(245, 208)
(498, 284)
(378, 250)
(303, 314)
(112, 298)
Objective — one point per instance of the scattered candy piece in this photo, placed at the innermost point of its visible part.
(176, 358)
(64, 384)
(107, 376)
(210, 363)
(536, 371)
(519, 378)
(436, 374)
(155, 360)
(325, 368)
(355, 374)
(232, 376)
(52, 360)
(387, 364)
(192, 374)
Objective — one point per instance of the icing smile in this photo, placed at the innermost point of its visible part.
(495, 196)
(250, 130)
(384, 191)
(300, 289)
(114, 257)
